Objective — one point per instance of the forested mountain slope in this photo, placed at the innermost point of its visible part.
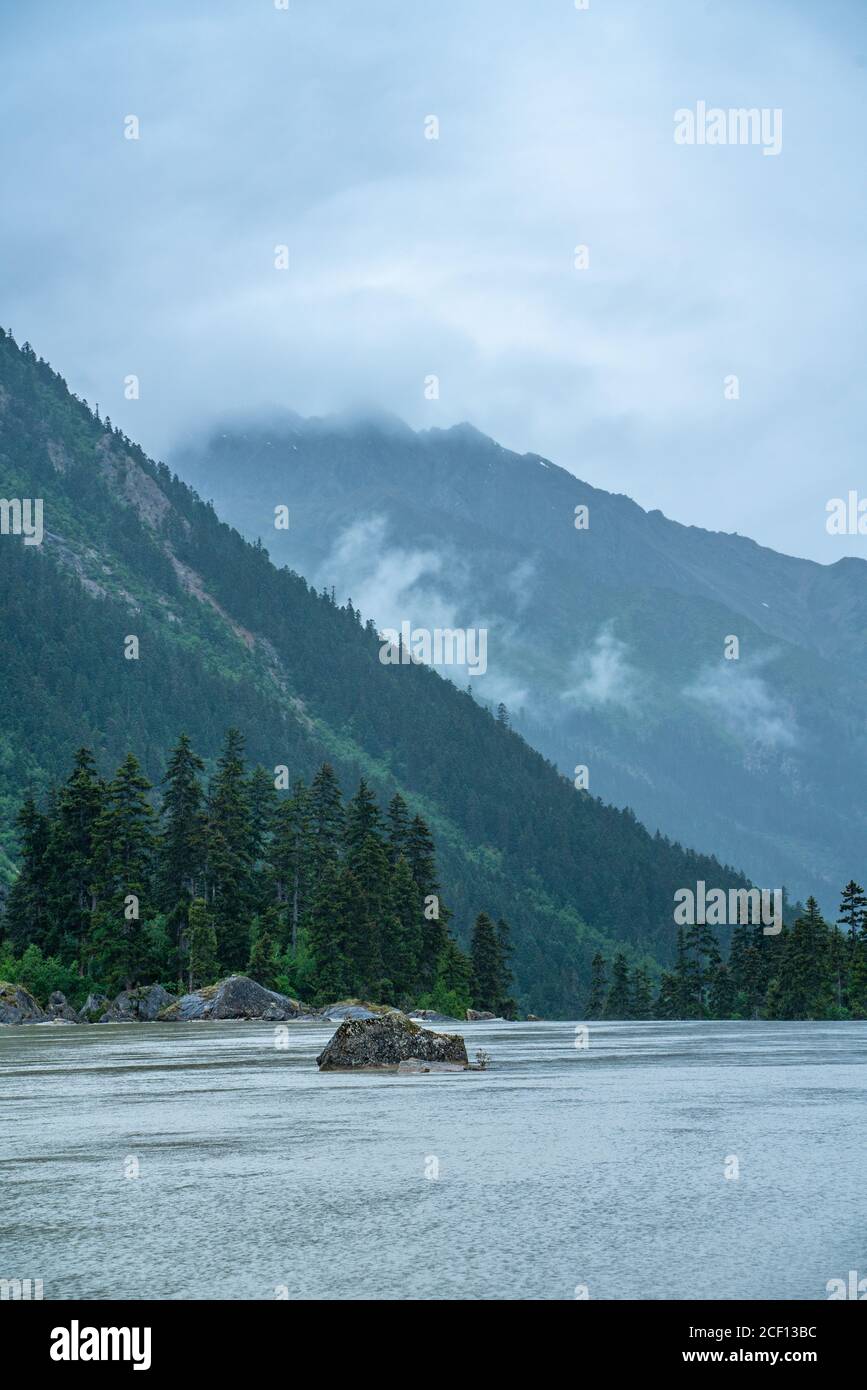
(607, 643)
(226, 638)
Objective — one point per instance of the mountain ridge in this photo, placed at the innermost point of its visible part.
(489, 536)
(226, 637)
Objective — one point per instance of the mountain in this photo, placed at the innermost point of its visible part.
(225, 637)
(606, 643)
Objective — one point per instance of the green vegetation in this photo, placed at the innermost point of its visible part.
(491, 976)
(811, 969)
(302, 892)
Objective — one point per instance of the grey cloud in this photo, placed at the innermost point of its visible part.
(454, 257)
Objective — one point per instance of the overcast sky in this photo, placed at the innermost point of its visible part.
(411, 257)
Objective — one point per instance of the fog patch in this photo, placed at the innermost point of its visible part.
(741, 700)
(388, 583)
(520, 584)
(606, 676)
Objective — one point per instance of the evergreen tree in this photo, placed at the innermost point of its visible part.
(397, 833)
(70, 867)
(326, 821)
(853, 909)
(640, 993)
(838, 962)
(348, 944)
(452, 991)
(485, 958)
(700, 962)
(201, 945)
(856, 977)
(506, 1006)
(668, 999)
(262, 965)
(230, 852)
(685, 988)
(598, 987)
(28, 918)
(851, 970)
(367, 868)
(802, 988)
(422, 862)
(769, 951)
(363, 820)
(618, 1004)
(335, 899)
(123, 849)
(402, 943)
(182, 837)
(264, 803)
(722, 996)
(291, 859)
(421, 857)
(745, 971)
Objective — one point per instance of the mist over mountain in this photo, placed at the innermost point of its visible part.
(607, 644)
(225, 638)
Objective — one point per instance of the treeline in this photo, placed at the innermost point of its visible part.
(317, 897)
(811, 969)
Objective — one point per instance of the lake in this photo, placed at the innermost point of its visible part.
(196, 1161)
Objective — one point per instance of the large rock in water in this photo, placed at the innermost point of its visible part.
(387, 1041)
(17, 1006)
(236, 997)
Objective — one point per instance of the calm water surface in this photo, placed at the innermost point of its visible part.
(558, 1167)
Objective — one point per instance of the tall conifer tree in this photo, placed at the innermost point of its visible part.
(182, 836)
(291, 860)
(230, 854)
(598, 986)
(485, 957)
(28, 918)
(123, 854)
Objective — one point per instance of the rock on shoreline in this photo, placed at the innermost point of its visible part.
(385, 1042)
(336, 1013)
(138, 1005)
(237, 997)
(17, 1006)
(59, 1010)
(430, 1016)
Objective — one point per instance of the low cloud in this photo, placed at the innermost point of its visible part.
(387, 582)
(740, 699)
(520, 584)
(606, 676)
